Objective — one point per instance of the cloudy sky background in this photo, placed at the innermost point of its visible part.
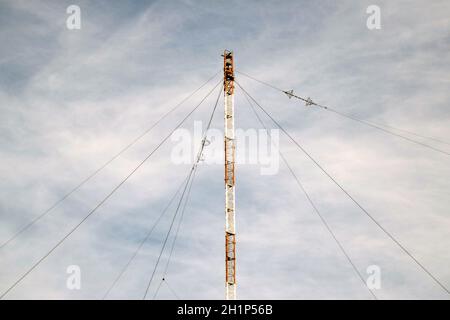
(70, 100)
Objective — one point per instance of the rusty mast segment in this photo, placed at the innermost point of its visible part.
(230, 146)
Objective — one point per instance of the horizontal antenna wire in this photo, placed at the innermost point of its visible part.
(193, 169)
(313, 205)
(410, 132)
(345, 191)
(93, 174)
(368, 123)
(107, 196)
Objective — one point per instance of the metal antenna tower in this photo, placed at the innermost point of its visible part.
(230, 146)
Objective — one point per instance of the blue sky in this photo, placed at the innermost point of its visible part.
(71, 99)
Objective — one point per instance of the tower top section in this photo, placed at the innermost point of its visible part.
(228, 75)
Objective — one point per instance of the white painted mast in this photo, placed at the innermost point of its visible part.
(230, 232)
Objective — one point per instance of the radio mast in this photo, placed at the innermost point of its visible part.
(229, 139)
